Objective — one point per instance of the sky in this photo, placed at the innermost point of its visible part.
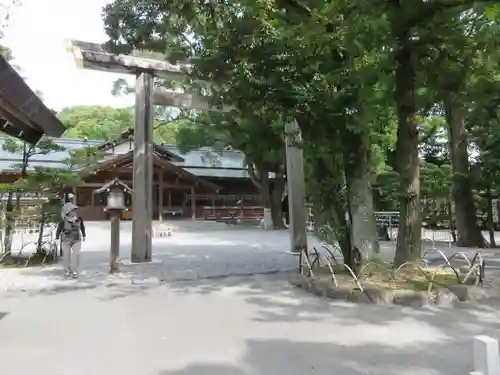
(37, 33)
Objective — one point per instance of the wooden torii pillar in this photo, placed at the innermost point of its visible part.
(144, 68)
(146, 65)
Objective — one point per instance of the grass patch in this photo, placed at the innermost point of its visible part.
(36, 260)
(384, 276)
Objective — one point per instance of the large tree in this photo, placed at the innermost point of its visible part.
(257, 61)
(330, 65)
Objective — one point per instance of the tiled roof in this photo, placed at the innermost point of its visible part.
(204, 162)
(209, 163)
(53, 159)
(126, 160)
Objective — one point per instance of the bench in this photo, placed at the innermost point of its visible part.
(162, 230)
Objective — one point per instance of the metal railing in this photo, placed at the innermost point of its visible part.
(29, 233)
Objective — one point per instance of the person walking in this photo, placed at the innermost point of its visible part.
(71, 230)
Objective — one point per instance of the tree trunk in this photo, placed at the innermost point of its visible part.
(266, 198)
(13, 211)
(408, 247)
(285, 210)
(451, 220)
(468, 232)
(489, 217)
(329, 208)
(260, 177)
(338, 219)
(277, 188)
(39, 242)
(359, 175)
(17, 207)
(382, 228)
(9, 224)
(331, 217)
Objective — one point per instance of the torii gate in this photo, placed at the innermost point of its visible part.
(145, 66)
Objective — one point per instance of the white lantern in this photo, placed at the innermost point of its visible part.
(116, 199)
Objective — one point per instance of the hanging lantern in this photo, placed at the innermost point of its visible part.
(115, 193)
(116, 199)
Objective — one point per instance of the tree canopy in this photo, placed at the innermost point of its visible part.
(384, 93)
(108, 123)
(96, 122)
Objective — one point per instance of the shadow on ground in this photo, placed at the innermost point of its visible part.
(302, 358)
(281, 329)
(325, 337)
(382, 340)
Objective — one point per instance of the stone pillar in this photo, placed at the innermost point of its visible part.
(142, 205)
(486, 357)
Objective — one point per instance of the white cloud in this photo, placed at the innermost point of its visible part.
(37, 35)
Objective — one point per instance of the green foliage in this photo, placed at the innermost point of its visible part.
(81, 158)
(337, 67)
(96, 122)
(270, 63)
(108, 123)
(6, 53)
(257, 137)
(28, 151)
(48, 180)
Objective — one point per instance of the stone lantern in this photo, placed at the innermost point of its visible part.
(115, 205)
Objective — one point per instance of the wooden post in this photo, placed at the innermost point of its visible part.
(193, 204)
(296, 189)
(142, 204)
(115, 240)
(169, 198)
(160, 196)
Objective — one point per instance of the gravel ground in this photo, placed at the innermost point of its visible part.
(197, 250)
(205, 253)
(199, 321)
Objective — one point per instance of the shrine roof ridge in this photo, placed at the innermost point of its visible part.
(203, 162)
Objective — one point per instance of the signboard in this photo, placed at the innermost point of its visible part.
(388, 219)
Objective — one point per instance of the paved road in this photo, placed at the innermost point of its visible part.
(161, 324)
(236, 326)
